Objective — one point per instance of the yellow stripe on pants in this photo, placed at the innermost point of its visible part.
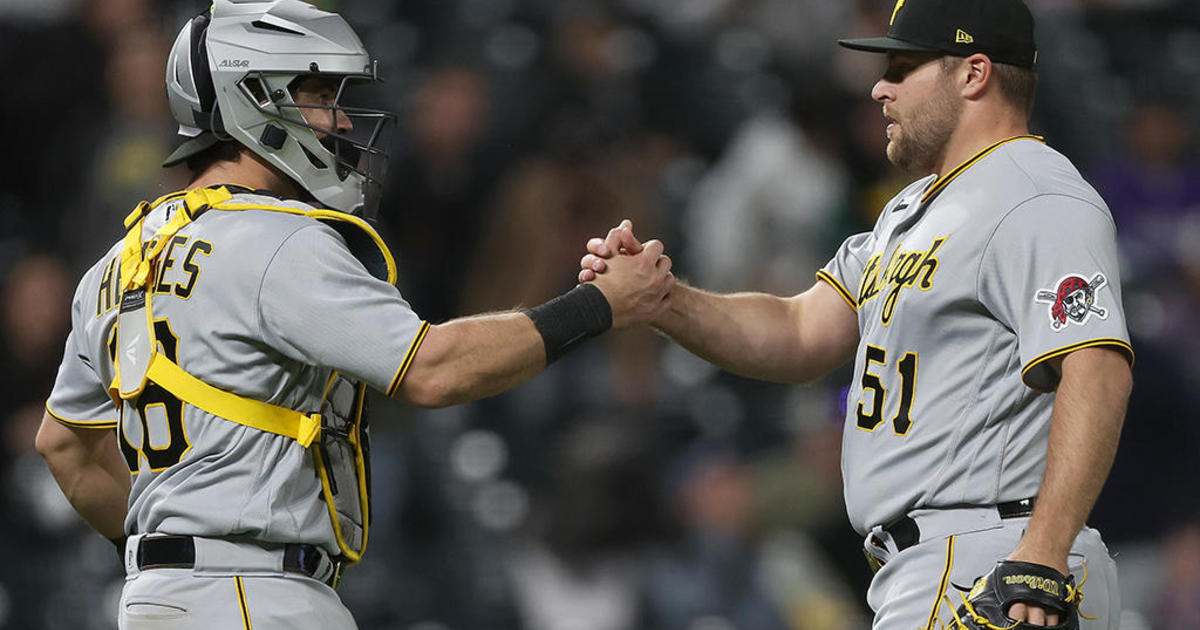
(241, 591)
(937, 603)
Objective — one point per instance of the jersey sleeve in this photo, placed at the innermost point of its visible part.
(845, 270)
(318, 304)
(80, 394)
(1050, 273)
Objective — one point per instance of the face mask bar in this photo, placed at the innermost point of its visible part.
(361, 150)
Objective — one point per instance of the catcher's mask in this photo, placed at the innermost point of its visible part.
(235, 72)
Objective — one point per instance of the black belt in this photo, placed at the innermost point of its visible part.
(905, 532)
(179, 552)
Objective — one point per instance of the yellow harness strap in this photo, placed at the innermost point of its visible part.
(135, 270)
(135, 264)
(246, 411)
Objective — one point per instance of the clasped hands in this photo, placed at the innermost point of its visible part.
(635, 277)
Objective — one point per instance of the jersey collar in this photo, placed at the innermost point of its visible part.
(235, 189)
(943, 181)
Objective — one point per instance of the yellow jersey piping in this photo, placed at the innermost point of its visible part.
(945, 180)
(316, 213)
(408, 359)
(842, 290)
(1120, 344)
(104, 424)
(319, 213)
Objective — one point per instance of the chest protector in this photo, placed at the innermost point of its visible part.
(336, 433)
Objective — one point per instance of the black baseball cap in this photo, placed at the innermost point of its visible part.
(1000, 29)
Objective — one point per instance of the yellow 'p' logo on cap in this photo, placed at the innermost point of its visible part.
(899, 3)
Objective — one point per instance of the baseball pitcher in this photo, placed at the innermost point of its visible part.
(983, 316)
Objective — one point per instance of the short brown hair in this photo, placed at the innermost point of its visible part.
(224, 151)
(1017, 84)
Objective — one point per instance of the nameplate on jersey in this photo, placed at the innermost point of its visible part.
(135, 343)
(904, 270)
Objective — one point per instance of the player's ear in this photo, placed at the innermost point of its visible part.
(976, 72)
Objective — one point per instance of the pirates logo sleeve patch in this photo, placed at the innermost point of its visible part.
(1074, 300)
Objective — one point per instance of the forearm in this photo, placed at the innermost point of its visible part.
(788, 340)
(91, 473)
(101, 496)
(1089, 410)
(475, 357)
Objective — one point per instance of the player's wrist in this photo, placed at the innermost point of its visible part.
(1050, 561)
(1041, 555)
(570, 319)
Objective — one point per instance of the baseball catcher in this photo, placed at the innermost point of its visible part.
(209, 414)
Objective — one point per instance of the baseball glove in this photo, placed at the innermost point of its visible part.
(986, 606)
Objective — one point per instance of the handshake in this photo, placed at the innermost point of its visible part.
(635, 277)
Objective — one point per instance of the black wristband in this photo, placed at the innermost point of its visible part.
(570, 319)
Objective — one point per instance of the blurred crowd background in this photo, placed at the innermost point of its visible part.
(631, 486)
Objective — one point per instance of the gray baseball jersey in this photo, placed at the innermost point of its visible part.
(259, 303)
(968, 285)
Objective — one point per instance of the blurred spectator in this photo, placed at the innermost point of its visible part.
(128, 149)
(1178, 607)
(709, 577)
(439, 187)
(546, 210)
(684, 20)
(110, 21)
(760, 219)
(799, 29)
(37, 10)
(54, 90)
(590, 99)
(581, 568)
(1151, 187)
(37, 315)
(810, 556)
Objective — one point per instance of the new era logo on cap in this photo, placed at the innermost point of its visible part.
(1000, 29)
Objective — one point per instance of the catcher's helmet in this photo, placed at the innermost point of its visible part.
(229, 76)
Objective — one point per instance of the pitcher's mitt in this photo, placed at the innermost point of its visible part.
(986, 606)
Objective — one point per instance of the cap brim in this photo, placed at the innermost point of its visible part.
(190, 147)
(883, 44)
